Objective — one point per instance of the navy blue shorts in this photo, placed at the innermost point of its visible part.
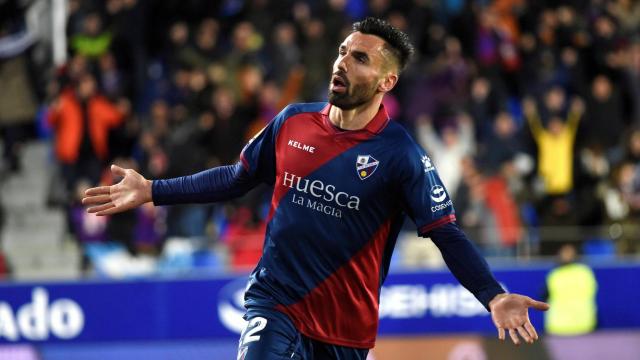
(270, 335)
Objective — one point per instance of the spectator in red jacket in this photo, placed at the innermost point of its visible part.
(82, 119)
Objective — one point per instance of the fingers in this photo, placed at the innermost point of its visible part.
(525, 335)
(110, 211)
(96, 200)
(538, 305)
(117, 170)
(531, 329)
(100, 190)
(99, 210)
(501, 333)
(514, 336)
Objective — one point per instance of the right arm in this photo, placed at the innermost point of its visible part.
(217, 184)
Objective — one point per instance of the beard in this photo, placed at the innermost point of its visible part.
(352, 97)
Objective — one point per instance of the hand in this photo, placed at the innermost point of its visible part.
(511, 312)
(132, 191)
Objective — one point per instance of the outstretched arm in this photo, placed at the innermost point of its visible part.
(508, 311)
(217, 184)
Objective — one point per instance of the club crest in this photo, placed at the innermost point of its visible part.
(366, 165)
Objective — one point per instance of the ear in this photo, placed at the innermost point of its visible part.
(388, 82)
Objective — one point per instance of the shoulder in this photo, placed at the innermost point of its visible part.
(293, 110)
(300, 108)
(409, 158)
(399, 139)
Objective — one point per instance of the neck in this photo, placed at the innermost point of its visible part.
(357, 118)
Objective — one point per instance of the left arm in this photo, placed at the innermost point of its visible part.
(465, 262)
(508, 311)
(427, 202)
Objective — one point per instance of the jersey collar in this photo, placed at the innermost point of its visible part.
(374, 126)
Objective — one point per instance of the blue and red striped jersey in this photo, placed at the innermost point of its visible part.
(339, 201)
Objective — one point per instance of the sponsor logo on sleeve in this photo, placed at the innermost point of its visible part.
(428, 165)
(438, 194)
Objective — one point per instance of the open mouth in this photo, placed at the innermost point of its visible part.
(338, 84)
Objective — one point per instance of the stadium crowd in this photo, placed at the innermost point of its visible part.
(529, 109)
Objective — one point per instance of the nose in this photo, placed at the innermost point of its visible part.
(341, 64)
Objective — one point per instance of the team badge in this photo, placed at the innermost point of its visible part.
(366, 165)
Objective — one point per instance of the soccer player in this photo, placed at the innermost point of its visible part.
(344, 176)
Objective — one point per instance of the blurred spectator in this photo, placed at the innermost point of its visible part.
(571, 290)
(622, 202)
(186, 149)
(485, 102)
(604, 43)
(316, 54)
(592, 171)
(18, 98)
(244, 236)
(448, 149)
(231, 123)
(501, 145)
(335, 19)
(245, 46)
(81, 119)
(604, 121)
(555, 143)
(86, 228)
(176, 47)
(112, 81)
(555, 161)
(627, 13)
(441, 91)
(93, 41)
(284, 52)
(631, 149)
(17, 108)
(631, 66)
(204, 50)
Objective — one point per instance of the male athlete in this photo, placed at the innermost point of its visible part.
(343, 177)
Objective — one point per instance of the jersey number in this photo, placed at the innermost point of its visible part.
(255, 325)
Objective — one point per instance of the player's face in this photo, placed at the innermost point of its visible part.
(358, 70)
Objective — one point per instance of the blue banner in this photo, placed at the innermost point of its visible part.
(411, 303)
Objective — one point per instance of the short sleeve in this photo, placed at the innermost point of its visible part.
(258, 156)
(425, 197)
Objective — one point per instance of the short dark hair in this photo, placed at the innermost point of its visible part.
(398, 42)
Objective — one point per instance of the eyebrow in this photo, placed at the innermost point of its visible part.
(356, 53)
